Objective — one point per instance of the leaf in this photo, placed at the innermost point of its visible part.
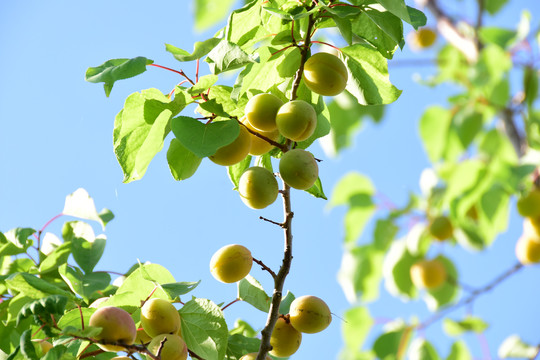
(116, 69)
(204, 83)
(84, 285)
(286, 301)
(434, 127)
(459, 351)
(252, 292)
(356, 326)
(204, 139)
(498, 36)
(244, 25)
(200, 49)
(239, 345)
(421, 349)
(72, 318)
(27, 347)
(397, 7)
(227, 56)
(208, 12)
(317, 190)
(16, 241)
(396, 270)
(33, 286)
(174, 290)
(448, 291)
(360, 273)
(182, 163)
(392, 344)
(382, 30)
(368, 76)
(204, 329)
(514, 347)
(235, 171)
(494, 6)
(80, 204)
(470, 323)
(54, 304)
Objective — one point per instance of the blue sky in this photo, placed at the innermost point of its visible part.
(56, 136)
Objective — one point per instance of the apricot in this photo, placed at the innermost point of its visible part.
(158, 316)
(45, 346)
(441, 228)
(296, 120)
(121, 358)
(258, 187)
(422, 38)
(285, 339)
(531, 227)
(261, 111)
(428, 274)
(234, 152)
(231, 263)
(253, 356)
(174, 348)
(117, 327)
(529, 204)
(309, 314)
(527, 250)
(325, 74)
(142, 337)
(260, 146)
(298, 169)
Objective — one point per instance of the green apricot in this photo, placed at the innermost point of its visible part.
(261, 111)
(441, 228)
(258, 187)
(174, 348)
(296, 120)
(309, 314)
(231, 263)
(285, 339)
(428, 274)
(45, 346)
(260, 146)
(298, 169)
(158, 316)
(325, 74)
(234, 152)
(117, 327)
(529, 204)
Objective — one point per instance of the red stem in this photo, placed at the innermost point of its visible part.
(197, 71)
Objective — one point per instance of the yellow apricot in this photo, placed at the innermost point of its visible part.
(45, 346)
(234, 152)
(422, 38)
(142, 337)
(527, 250)
(261, 111)
(117, 327)
(429, 274)
(231, 263)
(258, 187)
(174, 347)
(298, 169)
(309, 314)
(253, 356)
(529, 204)
(260, 146)
(296, 120)
(325, 74)
(285, 339)
(158, 316)
(441, 228)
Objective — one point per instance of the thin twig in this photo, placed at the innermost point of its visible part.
(281, 225)
(229, 304)
(264, 267)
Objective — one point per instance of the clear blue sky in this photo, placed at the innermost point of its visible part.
(56, 136)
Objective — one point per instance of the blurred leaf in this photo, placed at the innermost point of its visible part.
(396, 270)
(252, 292)
(116, 69)
(393, 344)
(243, 328)
(421, 349)
(470, 323)
(227, 56)
(204, 139)
(448, 291)
(182, 163)
(493, 6)
(498, 36)
(204, 329)
(208, 12)
(200, 49)
(434, 127)
(356, 326)
(514, 347)
(360, 273)
(530, 85)
(459, 351)
(27, 347)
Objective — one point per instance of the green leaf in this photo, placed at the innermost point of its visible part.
(204, 139)
(33, 286)
(174, 290)
(530, 85)
(244, 25)
(208, 12)
(470, 323)
(87, 252)
(360, 273)
(421, 349)
(80, 204)
(84, 285)
(383, 30)
(252, 292)
(204, 329)
(19, 237)
(116, 69)
(356, 326)
(54, 304)
(182, 163)
(106, 216)
(497, 36)
(239, 345)
(434, 128)
(243, 328)
(392, 344)
(204, 83)
(317, 190)
(345, 28)
(368, 76)
(227, 56)
(236, 170)
(141, 127)
(514, 347)
(286, 301)
(448, 291)
(27, 347)
(459, 351)
(396, 270)
(72, 318)
(494, 6)
(397, 7)
(200, 49)
(221, 96)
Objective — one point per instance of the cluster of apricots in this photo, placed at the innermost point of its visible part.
(528, 245)
(159, 320)
(307, 314)
(266, 119)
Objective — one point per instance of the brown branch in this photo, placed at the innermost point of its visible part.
(264, 267)
(282, 147)
(194, 356)
(229, 304)
(510, 128)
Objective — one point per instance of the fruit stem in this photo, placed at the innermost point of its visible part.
(175, 71)
(264, 267)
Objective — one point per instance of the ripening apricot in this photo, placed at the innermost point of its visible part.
(234, 152)
(296, 120)
(117, 327)
(253, 356)
(309, 314)
(260, 146)
(142, 337)
(261, 111)
(158, 316)
(45, 346)
(285, 339)
(527, 250)
(422, 38)
(325, 74)
(174, 348)
(258, 187)
(529, 204)
(531, 228)
(428, 274)
(298, 169)
(231, 263)
(441, 228)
